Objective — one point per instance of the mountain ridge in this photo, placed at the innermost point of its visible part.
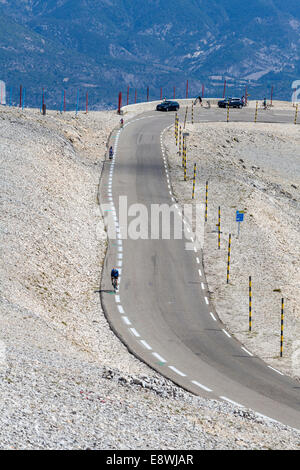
(105, 46)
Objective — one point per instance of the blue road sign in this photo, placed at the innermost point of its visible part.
(239, 216)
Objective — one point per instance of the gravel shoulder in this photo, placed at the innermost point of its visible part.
(66, 381)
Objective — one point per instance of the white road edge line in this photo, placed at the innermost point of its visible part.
(246, 351)
(133, 331)
(231, 401)
(177, 371)
(227, 334)
(161, 359)
(145, 344)
(201, 386)
(278, 372)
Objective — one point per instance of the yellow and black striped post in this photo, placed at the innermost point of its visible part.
(185, 165)
(250, 304)
(192, 113)
(176, 129)
(206, 198)
(281, 329)
(228, 258)
(179, 141)
(296, 115)
(219, 228)
(183, 150)
(256, 111)
(228, 112)
(194, 181)
(185, 117)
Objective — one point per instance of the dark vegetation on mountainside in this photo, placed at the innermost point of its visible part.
(102, 46)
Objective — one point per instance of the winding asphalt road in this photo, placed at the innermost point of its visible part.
(162, 311)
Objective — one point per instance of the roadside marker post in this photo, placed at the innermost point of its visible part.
(120, 102)
(228, 258)
(219, 228)
(281, 328)
(183, 149)
(296, 114)
(192, 113)
(21, 94)
(250, 304)
(256, 112)
(185, 135)
(194, 182)
(185, 117)
(239, 218)
(176, 128)
(179, 152)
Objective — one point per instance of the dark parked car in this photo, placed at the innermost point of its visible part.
(231, 102)
(168, 106)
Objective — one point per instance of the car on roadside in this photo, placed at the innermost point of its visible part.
(168, 106)
(231, 102)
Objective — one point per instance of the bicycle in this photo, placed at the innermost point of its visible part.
(115, 283)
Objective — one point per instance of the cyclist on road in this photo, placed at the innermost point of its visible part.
(114, 278)
(111, 152)
(121, 122)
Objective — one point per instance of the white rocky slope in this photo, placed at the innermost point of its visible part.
(66, 382)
